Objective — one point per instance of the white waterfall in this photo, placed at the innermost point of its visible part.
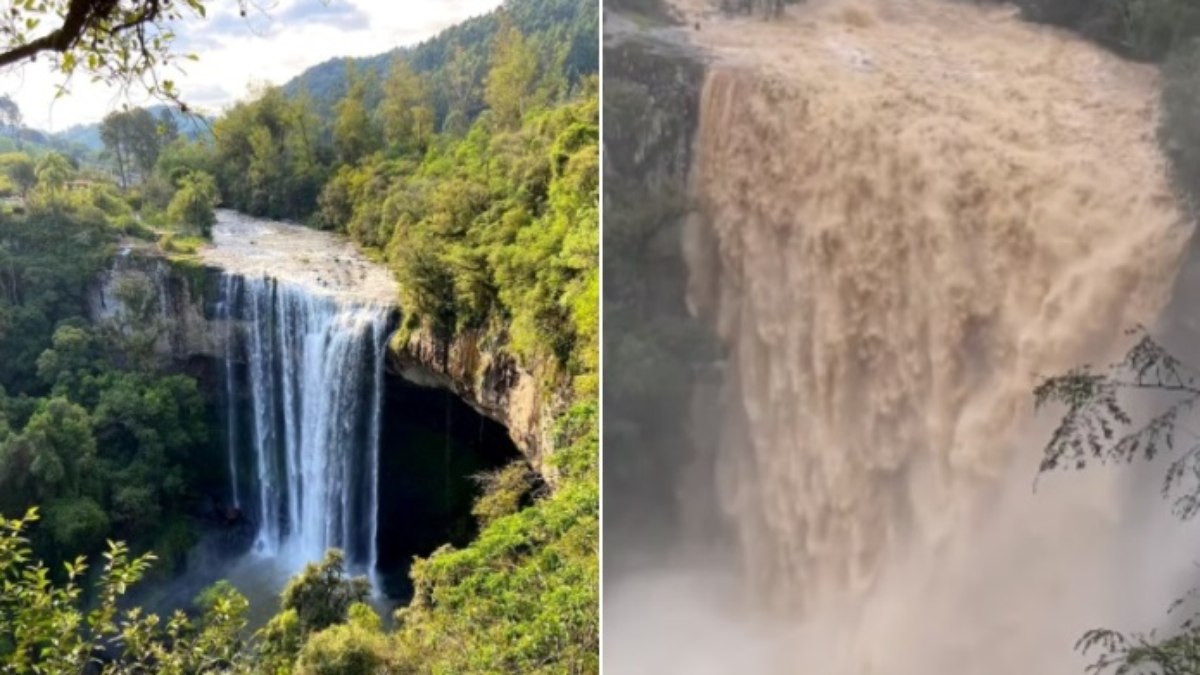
(314, 380)
(225, 312)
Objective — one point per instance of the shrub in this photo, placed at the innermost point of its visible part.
(345, 649)
(193, 203)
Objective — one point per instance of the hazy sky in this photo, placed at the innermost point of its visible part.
(271, 45)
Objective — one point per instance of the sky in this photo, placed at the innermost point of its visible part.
(273, 43)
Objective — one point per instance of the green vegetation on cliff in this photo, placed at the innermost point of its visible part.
(92, 427)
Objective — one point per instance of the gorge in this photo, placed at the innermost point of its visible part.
(324, 445)
(891, 219)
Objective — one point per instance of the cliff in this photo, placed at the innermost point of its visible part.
(181, 294)
(490, 380)
(186, 296)
(660, 361)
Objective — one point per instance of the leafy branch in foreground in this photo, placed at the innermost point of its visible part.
(119, 42)
(1098, 427)
(44, 627)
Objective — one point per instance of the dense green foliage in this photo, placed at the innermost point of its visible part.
(49, 628)
(192, 205)
(90, 426)
(456, 61)
(496, 231)
(523, 597)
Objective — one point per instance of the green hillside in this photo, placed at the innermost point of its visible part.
(459, 57)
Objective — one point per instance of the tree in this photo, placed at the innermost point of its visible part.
(322, 594)
(193, 203)
(20, 170)
(10, 117)
(1097, 427)
(64, 449)
(358, 647)
(134, 139)
(504, 491)
(462, 75)
(168, 128)
(354, 134)
(513, 78)
(120, 42)
(407, 109)
(112, 134)
(53, 172)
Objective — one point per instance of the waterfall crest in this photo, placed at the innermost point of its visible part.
(313, 379)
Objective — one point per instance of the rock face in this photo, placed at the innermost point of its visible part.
(181, 295)
(657, 355)
(186, 296)
(490, 381)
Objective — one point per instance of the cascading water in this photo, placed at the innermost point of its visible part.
(313, 382)
(907, 212)
(225, 315)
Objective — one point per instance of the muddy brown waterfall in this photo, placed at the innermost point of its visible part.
(906, 212)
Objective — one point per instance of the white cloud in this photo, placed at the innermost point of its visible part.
(273, 46)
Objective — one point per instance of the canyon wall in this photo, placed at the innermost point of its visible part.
(187, 296)
(491, 381)
(656, 354)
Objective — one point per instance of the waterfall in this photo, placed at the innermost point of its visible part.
(380, 337)
(314, 380)
(225, 312)
(916, 210)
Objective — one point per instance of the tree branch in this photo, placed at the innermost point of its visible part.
(80, 13)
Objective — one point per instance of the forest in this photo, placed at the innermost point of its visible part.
(470, 166)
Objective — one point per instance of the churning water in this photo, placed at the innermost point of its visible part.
(907, 211)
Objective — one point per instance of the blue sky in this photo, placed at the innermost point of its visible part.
(272, 44)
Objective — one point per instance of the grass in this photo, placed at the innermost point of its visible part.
(174, 243)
